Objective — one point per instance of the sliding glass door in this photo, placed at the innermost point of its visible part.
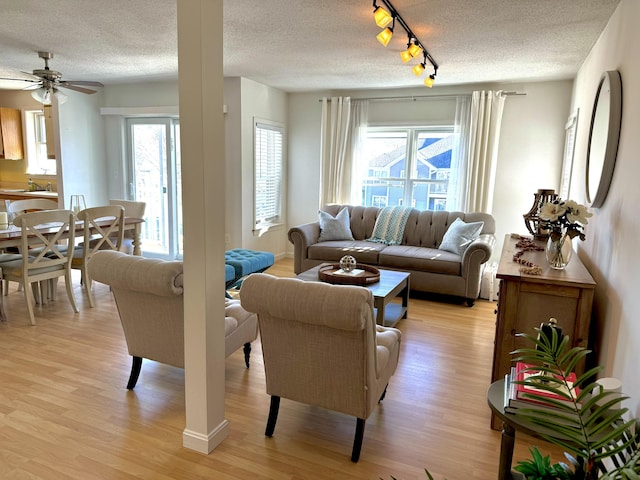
(154, 178)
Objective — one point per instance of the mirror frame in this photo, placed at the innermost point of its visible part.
(601, 170)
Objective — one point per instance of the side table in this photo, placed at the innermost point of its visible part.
(510, 423)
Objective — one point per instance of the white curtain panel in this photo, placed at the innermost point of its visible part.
(343, 124)
(457, 191)
(484, 138)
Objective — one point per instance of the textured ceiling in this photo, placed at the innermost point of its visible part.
(304, 45)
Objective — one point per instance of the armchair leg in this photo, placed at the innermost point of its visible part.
(470, 302)
(383, 393)
(247, 353)
(273, 415)
(357, 441)
(136, 365)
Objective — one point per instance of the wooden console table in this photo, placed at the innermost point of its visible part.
(525, 301)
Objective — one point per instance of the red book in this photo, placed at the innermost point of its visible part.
(521, 390)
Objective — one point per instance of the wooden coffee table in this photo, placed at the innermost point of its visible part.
(392, 285)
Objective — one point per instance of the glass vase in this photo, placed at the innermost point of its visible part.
(559, 251)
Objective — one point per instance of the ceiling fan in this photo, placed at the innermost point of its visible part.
(46, 83)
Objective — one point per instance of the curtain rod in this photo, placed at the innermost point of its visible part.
(424, 97)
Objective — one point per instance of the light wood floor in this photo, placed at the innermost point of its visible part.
(65, 412)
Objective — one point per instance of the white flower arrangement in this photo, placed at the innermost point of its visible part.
(564, 218)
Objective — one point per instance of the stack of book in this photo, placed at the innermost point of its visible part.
(517, 396)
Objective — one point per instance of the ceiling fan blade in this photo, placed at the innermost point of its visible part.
(77, 89)
(31, 76)
(81, 82)
(38, 80)
(33, 87)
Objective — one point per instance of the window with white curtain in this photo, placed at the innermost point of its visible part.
(407, 166)
(269, 160)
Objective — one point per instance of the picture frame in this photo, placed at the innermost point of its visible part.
(570, 129)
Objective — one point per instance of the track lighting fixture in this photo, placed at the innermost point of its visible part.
(382, 17)
(385, 35)
(389, 15)
(428, 82)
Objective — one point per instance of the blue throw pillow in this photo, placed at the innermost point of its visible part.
(460, 235)
(334, 228)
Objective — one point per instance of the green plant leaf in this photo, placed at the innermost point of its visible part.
(590, 434)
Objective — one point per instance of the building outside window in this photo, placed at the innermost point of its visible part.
(407, 166)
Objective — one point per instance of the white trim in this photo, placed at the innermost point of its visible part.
(169, 110)
(202, 444)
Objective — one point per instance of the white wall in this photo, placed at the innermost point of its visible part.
(82, 147)
(266, 103)
(529, 158)
(611, 249)
(530, 153)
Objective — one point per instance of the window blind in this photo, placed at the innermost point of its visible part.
(268, 172)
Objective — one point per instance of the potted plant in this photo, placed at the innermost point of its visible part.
(599, 443)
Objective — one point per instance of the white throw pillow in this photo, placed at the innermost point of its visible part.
(334, 228)
(460, 235)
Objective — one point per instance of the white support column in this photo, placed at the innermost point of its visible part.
(202, 143)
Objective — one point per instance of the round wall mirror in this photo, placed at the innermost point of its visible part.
(604, 134)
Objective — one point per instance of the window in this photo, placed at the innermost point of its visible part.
(407, 166)
(268, 151)
(38, 162)
(154, 177)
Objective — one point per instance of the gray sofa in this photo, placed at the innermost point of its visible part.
(432, 270)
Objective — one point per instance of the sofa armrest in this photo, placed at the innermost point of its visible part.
(475, 255)
(302, 236)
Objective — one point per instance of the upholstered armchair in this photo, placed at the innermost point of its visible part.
(321, 346)
(148, 293)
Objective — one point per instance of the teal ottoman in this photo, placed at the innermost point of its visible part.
(245, 262)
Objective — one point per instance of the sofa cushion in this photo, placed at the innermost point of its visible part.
(390, 224)
(334, 228)
(361, 250)
(410, 258)
(460, 235)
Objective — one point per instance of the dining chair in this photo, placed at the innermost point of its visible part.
(103, 230)
(131, 210)
(18, 207)
(50, 261)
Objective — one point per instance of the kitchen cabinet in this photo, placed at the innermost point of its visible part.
(525, 301)
(11, 134)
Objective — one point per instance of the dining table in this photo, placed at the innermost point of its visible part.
(11, 236)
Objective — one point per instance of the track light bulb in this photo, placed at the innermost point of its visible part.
(405, 55)
(414, 50)
(418, 69)
(384, 36)
(428, 82)
(382, 17)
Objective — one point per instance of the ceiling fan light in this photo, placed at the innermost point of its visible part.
(60, 96)
(414, 50)
(382, 17)
(384, 36)
(42, 95)
(418, 69)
